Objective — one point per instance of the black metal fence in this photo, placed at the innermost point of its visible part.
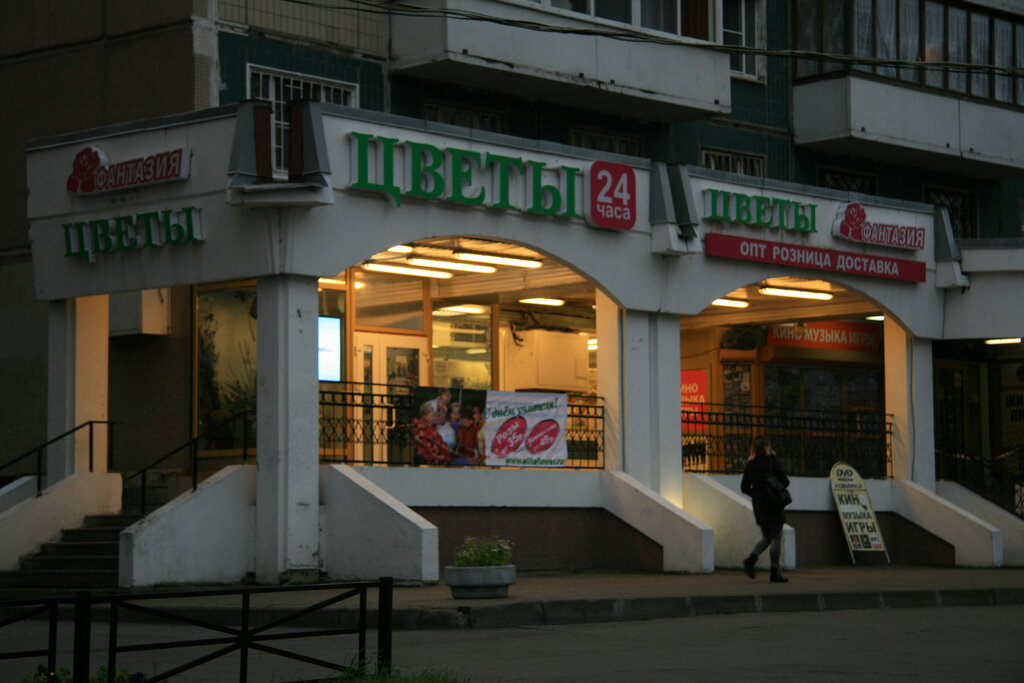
(246, 637)
(374, 424)
(716, 439)
(999, 479)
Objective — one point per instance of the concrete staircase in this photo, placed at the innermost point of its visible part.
(86, 557)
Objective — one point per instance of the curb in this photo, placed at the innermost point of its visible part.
(583, 611)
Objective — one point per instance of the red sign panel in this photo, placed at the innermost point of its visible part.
(610, 196)
(800, 256)
(693, 397)
(833, 335)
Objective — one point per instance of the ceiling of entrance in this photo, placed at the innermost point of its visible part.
(508, 284)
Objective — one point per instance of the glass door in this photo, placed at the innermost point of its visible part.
(389, 366)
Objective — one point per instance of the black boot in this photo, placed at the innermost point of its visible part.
(777, 577)
(748, 565)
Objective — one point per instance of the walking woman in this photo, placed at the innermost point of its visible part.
(769, 516)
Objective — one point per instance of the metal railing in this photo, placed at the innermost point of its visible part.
(999, 479)
(716, 439)
(245, 638)
(373, 424)
(39, 470)
(194, 446)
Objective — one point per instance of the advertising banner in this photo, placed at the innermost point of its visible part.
(525, 430)
(860, 526)
(834, 335)
(497, 428)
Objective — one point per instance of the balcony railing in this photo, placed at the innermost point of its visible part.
(716, 439)
(372, 424)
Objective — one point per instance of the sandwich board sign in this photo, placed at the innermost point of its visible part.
(860, 525)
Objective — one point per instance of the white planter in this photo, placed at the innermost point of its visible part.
(480, 582)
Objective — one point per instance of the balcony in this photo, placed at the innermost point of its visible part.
(885, 121)
(657, 82)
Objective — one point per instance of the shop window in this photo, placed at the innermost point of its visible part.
(733, 162)
(226, 362)
(331, 345)
(962, 208)
(836, 179)
(477, 119)
(388, 301)
(461, 343)
(604, 141)
(280, 88)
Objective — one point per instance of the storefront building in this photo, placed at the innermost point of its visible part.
(618, 340)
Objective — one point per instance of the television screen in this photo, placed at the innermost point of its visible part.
(329, 349)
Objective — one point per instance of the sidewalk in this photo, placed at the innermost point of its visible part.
(540, 598)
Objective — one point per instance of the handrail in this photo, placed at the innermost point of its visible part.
(38, 450)
(193, 444)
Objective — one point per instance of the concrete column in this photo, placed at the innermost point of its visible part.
(909, 398)
(77, 384)
(287, 490)
(642, 391)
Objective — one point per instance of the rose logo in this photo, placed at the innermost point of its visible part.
(83, 170)
(509, 437)
(853, 221)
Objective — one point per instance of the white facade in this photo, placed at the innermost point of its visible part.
(340, 212)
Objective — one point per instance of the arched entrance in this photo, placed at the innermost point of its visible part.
(802, 360)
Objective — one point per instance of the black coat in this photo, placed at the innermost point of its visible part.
(757, 470)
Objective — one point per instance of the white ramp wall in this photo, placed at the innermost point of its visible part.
(207, 535)
(688, 545)
(367, 533)
(976, 542)
(731, 515)
(19, 490)
(24, 527)
(1011, 526)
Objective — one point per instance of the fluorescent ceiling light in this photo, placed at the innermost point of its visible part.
(400, 249)
(540, 301)
(796, 293)
(464, 309)
(498, 260)
(331, 281)
(1007, 340)
(404, 270)
(875, 318)
(730, 303)
(450, 265)
(476, 351)
(591, 344)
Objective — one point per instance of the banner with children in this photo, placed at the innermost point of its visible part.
(498, 428)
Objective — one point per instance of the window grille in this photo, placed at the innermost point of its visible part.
(733, 162)
(605, 142)
(962, 208)
(280, 88)
(476, 119)
(847, 181)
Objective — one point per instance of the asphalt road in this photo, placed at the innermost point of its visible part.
(974, 644)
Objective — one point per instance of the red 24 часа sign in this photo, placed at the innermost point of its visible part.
(610, 198)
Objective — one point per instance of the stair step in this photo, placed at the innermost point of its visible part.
(96, 533)
(59, 579)
(86, 548)
(80, 563)
(122, 520)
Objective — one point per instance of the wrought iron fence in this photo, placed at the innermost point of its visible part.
(374, 424)
(999, 479)
(246, 637)
(716, 438)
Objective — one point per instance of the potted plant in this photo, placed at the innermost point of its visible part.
(483, 568)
